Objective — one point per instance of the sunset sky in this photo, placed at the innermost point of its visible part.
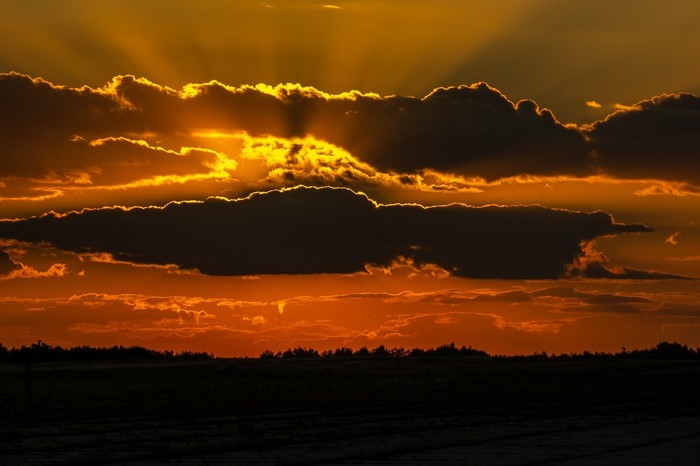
(231, 177)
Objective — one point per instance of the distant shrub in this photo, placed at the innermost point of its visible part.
(300, 353)
(451, 350)
(665, 350)
(269, 354)
(398, 352)
(342, 352)
(380, 352)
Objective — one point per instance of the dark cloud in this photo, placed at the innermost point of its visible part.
(7, 265)
(607, 308)
(101, 162)
(573, 298)
(327, 230)
(591, 298)
(615, 299)
(560, 292)
(508, 296)
(598, 270)
(657, 138)
(473, 130)
(53, 136)
(680, 310)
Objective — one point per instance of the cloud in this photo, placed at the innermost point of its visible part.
(10, 269)
(108, 319)
(473, 130)
(297, 6)
(673, 238)
(564, 297)
(607, 308)
(623, 107)
(667, 188)
(592, 300)
(593, 104)
(507, 296)
(598, 270)
(560, 292)
(76, 136)
(596, 298)
(594, 264)
(615, 299)
(55, 270)
(657, 138)
(311, 162)
(7, 265)
(684, 259)
(48, 161)
(55, 138)
(327, 230)
(678, 310)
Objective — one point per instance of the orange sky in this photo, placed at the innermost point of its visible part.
(518, 177)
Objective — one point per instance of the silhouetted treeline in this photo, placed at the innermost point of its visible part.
(42, 352)
(663, 350)
(379, 352)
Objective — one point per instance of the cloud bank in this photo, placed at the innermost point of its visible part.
(84, 136)
(327, 230)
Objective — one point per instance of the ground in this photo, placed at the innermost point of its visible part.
(482, 411)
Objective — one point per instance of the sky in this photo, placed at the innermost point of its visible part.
(231, 177)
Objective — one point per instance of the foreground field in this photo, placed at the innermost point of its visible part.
(354, 411)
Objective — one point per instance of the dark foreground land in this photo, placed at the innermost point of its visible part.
(470, 410)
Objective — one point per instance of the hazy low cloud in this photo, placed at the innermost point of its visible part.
(566, 297)
(607, 308)
(327, 230)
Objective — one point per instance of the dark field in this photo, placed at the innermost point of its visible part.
(477, 410)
